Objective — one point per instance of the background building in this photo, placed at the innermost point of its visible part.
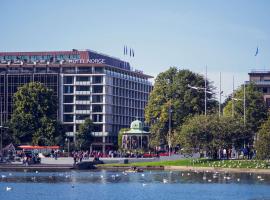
(86, 84)
(262, 80)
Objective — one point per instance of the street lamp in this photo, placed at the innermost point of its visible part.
(67, 140)
(205, 95)
(170, 129)
(237, 99)
(170, 116)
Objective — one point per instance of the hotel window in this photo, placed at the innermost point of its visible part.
(82, 107)
(98, 128)
(82, 98)
(82, 88)
(68, 99)
(98, 89)
(85, 70)
(68, 69)
(82, 78)
(68, 108)
(97, 108)
(97, 79)
(97, 99)
(99, 70)
(68, 127)
(54, 69)
(68, 89)
(68, 118)
(97, 118)
(81, 117)
(68, 80)
(41, 70)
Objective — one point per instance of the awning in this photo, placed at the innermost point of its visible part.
(29, 147)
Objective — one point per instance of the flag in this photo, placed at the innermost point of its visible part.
(125, 50)
(132, 52)
(257, 51)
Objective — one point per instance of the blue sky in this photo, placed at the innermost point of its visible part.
(188, 34)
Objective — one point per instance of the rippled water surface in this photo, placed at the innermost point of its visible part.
(111, 185)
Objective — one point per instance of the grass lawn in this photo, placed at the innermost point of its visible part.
(250, 164)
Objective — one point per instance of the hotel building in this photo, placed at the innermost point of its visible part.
(87, 84)
(261, 78)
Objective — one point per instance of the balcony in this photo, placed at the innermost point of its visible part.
(83, 102)
(79, 121)
(83, 92)
(82, 83)
(69, 134)
(83, 111)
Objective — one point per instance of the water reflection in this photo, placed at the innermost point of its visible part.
(109, 177)
(115, 185)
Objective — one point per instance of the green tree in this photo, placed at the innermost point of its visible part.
(84, 136)
(171, 90)
(34, 115)
(210, 133)
(262, 144)
(256, 110)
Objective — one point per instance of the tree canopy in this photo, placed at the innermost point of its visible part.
(171, 90)
(85, 133)
(256, 110)
(211, 133)
(34, 118)
(262, 144)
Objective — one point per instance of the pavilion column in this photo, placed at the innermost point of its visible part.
(130, 141)
(141, 141)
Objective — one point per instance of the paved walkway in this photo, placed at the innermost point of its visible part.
(69, 160)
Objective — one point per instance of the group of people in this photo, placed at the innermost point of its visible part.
(30, 158)
(78, 156)
(228, 153)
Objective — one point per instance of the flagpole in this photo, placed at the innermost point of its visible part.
(205, 89)
(219, 109)
(244, 104)
(233, 99)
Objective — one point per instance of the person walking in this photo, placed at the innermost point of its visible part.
(224, 153)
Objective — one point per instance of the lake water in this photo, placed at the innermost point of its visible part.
(109, 185)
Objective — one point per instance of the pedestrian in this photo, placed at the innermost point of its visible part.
(224, 153)
(75, 158)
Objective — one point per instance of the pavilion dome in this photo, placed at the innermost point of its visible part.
(137, 125)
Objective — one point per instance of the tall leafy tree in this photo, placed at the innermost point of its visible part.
(34, 118)
(262, 144)
(85, 133)
(211, 133)
(171, 90)
(256, 110)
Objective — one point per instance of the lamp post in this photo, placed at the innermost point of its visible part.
(67, 140)
(170, 116)
(205, 95)
(170, 129)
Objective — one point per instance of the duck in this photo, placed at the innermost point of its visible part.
(165, 180)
